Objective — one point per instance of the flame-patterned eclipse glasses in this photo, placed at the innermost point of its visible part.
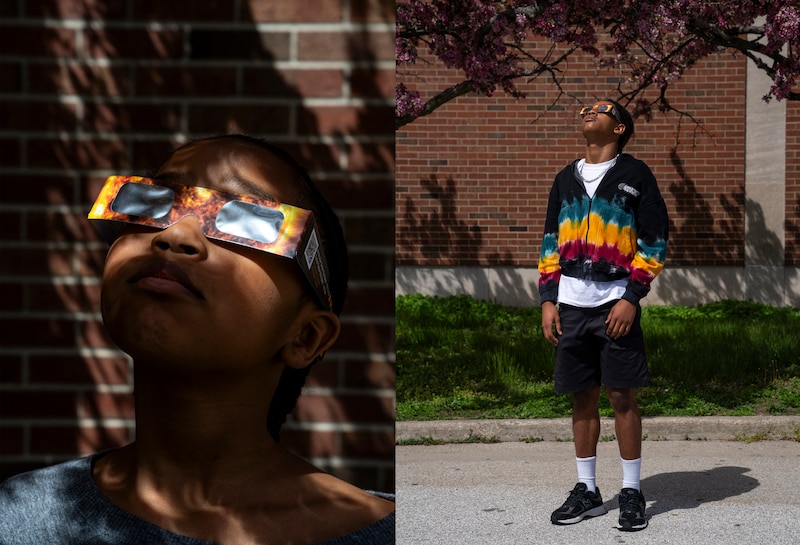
(264, 225)
(600, 109)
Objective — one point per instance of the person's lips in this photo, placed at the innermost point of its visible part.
(165, 277)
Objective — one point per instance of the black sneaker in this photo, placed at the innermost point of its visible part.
(580, 504)
(631, 510)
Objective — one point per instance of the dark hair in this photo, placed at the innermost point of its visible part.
(333, 245)
(626, 119)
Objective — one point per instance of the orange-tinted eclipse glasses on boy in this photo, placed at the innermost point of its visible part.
(601, 109)
(260, 224)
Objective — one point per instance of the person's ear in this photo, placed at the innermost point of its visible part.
(316, 336)
(620, 129)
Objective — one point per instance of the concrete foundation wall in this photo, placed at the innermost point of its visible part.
(517, 286)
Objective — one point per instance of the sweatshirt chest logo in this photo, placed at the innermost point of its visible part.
(628, 189)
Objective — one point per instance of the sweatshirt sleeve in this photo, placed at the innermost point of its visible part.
(549, 257)
(652, 234)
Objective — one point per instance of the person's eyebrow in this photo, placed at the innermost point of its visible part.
(250, 188)
(238, 185)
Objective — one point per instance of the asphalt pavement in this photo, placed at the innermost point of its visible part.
(707, 481)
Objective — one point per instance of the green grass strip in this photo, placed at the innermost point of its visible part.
(458, 357)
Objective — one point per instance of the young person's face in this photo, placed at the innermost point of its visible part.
(173, 295)
(601, 125)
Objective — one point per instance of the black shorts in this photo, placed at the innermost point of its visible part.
(587, 357)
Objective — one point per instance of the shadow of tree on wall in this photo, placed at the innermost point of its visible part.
(372, 188)
(724, 243)
(721, 236)
(764, 249)
(434, 228)
(136, 133)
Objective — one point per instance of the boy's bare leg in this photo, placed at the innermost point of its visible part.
(586, 422)
(627, 422)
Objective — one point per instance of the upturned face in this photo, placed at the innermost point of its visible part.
(174, 296)
(599, 125)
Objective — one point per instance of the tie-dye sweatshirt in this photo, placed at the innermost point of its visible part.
(620, 233)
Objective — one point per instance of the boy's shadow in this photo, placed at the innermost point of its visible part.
(689, 489)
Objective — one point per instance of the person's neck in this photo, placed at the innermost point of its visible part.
(600, 153)
(204, 465)
(205, 437)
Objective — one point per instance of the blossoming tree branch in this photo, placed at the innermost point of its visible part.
(651, 42)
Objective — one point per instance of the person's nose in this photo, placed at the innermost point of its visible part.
(183, 237)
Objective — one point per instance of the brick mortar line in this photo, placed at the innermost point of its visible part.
(168, 138)
(121, 388)
(340, 427)
(173, 62)
(322, 177)
(111, 422)
(289, 27)
(240, 99)
(332, 461)
(335, 355)
(116, 421)
(49, 279)
(332, 391)
(84, 351)
(341, 461)
(77, 316)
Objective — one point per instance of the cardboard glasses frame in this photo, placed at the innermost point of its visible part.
(267, 226)
(600, 109)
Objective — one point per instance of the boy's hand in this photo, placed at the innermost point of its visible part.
(550, 318)
(620, 319)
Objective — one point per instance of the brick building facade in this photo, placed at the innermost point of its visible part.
(473, 179)
(92, 88)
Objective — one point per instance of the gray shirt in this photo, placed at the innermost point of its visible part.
(62, 505)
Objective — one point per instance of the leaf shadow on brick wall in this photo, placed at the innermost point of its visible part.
(435, 229)
(369, 160)
(722, 236)
(133, 108)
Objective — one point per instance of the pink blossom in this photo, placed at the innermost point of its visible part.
(656, 41)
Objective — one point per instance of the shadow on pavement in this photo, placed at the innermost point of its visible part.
(689, 489)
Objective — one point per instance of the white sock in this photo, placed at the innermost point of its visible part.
(631, 471)
(586, 472)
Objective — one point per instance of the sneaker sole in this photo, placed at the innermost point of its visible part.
(632, 528)
(596, 512)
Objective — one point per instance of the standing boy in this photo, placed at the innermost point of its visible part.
(605, 239)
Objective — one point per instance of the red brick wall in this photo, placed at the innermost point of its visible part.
(92, 88)
(473, 177)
